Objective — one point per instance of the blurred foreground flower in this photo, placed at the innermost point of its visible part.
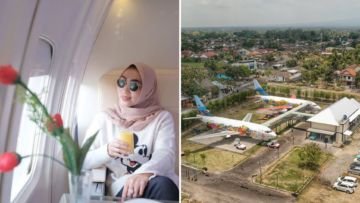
(8, 161)
(8, 75)
(73, 154)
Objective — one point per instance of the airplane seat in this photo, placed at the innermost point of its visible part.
(168, 90)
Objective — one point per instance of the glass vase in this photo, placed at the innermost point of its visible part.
(80, 187)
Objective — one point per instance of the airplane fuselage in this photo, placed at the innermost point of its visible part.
(289, 100)
(256, 131)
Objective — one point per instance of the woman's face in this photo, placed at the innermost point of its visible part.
(129, 87)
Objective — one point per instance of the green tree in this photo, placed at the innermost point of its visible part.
(291, 63)
(191, 77)
(203, 158)
(310, 156)
(187, 152)
(357, 80)
(298, 93)
(270, 57)
(211, 64)
(329, 75)
(236, 72)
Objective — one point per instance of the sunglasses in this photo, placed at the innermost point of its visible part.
(134, 85)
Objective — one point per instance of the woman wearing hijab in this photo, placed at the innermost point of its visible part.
(148, 172)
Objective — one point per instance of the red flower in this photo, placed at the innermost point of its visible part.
(8, 75)
(58, 120)
(55, 123)
(8, 161)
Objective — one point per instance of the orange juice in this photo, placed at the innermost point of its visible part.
(128, 137)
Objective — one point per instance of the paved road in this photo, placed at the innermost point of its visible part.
(235, 184)
(268, 155)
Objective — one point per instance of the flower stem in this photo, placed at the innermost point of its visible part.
(36, 98)
(45, 156)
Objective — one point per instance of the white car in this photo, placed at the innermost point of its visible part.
(273, 144)
(240, 146)
(348, 179)
(343, 186)
(357, 160)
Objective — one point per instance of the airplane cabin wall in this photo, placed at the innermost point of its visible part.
(13, 37)
(71, 27)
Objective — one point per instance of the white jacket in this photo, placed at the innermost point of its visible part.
(154, 150)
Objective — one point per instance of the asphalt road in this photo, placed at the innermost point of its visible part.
(235, 184)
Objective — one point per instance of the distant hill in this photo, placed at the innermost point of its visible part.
(350, 24)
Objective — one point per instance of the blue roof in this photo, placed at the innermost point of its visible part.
(223, 76)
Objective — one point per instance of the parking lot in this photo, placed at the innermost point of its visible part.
(228, 143)
(321, 190)
(320, 193)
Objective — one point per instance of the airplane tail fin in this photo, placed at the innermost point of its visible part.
(258, 88)
(201, 107)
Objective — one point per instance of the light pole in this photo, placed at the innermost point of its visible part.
(260, 173)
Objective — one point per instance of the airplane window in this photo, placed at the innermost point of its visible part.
(29, 138)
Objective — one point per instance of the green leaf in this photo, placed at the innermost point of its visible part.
(85, 148)
(71, 152)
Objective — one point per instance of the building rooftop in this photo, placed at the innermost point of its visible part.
(337, 113)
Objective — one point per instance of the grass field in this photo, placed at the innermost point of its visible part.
(238, 112)
(287, 175)
(215, 160)
(193, 64)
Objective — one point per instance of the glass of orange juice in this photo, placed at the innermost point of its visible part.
(127, 137)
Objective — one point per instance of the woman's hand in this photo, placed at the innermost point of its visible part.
(117, 148)
(135, 185)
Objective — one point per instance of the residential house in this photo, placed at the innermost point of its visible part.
(242, 52)
(278, 66)
(285, 75)
(208, 55)
(251, 64)
(186, 53)
(347, 76)
(186, 102)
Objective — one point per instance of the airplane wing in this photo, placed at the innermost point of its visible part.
(248, 117)
(274, 108)
(219, 134)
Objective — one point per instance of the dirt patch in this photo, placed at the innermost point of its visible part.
(319, 193)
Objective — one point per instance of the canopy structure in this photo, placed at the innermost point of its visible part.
(325, 132)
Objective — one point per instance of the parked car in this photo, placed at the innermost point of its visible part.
(273, 144)
(240, 146)
(313, 136)
(343, 186)
(354, 168)
(348, 179)
(357, 160)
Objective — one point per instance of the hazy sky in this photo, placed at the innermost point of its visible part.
(208, 13)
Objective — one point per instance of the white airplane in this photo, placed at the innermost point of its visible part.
(62, 49)
(231, 126)
(295, 101)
